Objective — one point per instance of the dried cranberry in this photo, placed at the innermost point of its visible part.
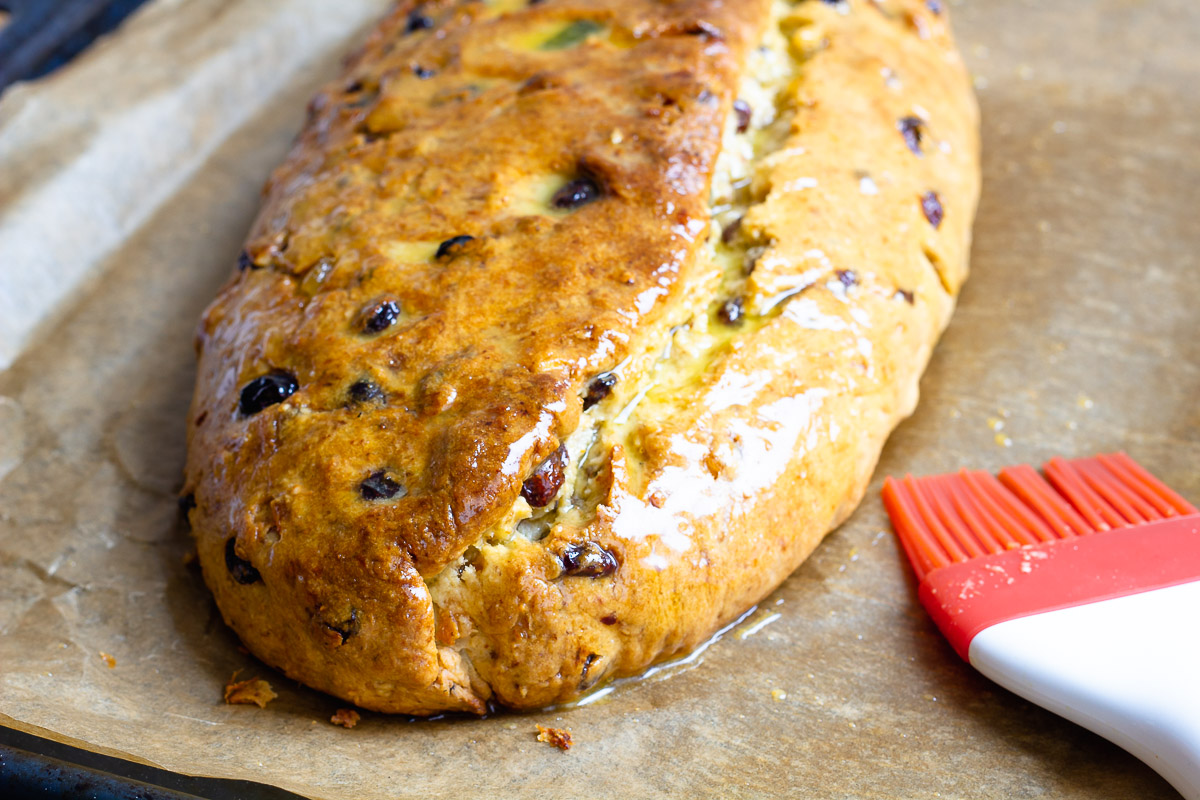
(731, 230)
(380, 486)
(744, 113)
(381, 316)
(345, 628)
(365, 392)
(542, 486)
(910, 129)
(576, 193)
(609, 619)
(239, 568)
(245, 262)
(847, 277)
(588, 559)
(931, 205)
(424, 73)
(452, 246)
(732, 312)
(267, 390)
(598, 389)
(417, 21)
(587, 667)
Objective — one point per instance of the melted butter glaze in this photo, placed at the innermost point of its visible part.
(484, 370)
(544, 299)
(721, 455)
(739, 446)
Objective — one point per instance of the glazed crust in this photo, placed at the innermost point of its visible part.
(367, 534)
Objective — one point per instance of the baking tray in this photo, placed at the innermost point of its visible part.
(35, 768)
(41, 35)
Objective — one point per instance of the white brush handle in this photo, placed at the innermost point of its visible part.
(1126, 668)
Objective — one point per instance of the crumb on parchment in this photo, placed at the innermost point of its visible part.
(108, 660)
(346, 717)
(555, 736)
(255, 691)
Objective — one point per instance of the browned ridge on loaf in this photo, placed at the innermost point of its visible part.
(566, 331)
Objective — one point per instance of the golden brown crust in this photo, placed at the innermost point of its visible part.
(372, 512)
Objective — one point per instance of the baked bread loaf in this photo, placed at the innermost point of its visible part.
(568, 329)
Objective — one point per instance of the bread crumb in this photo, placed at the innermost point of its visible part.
(778, 695)
(555, 736)
(255, 691)
(346, 717)
(108, 660)
(189, 558)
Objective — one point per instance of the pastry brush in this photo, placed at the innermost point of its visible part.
(1079, 591)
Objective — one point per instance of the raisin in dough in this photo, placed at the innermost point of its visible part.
(568, 329)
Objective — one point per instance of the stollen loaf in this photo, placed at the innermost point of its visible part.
(566, 331)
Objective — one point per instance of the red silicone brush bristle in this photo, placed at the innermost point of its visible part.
(946, 519)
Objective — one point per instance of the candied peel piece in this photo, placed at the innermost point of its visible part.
(346, 717)
(555, 736)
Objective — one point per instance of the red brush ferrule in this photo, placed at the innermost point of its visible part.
(966, 597)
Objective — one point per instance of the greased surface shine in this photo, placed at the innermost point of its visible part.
(498, 204)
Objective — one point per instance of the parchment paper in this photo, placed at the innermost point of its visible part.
(1077, 333)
